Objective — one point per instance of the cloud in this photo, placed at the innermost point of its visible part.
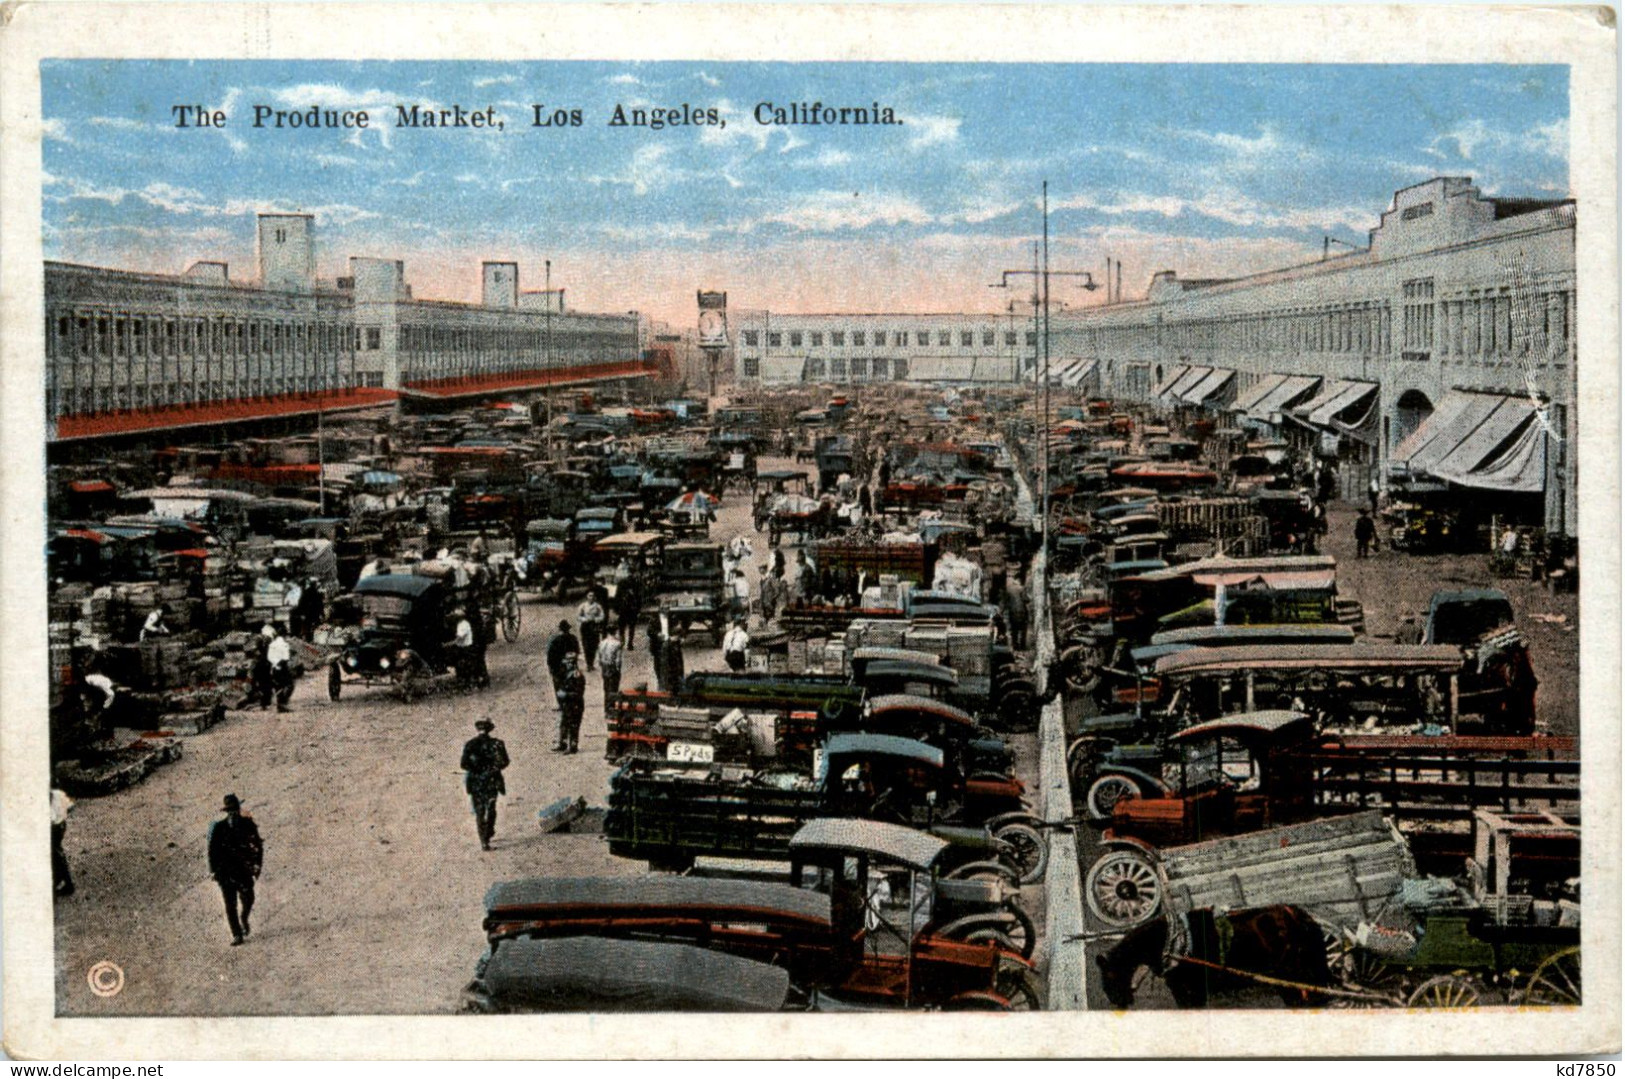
(645, 172)
(1225, 205)
(826, 158)
(709, 80)
(55, 130)
(624, 79)
(187, 201)
(121, 123)
(932, 130)
(1266, 143)
(495, 80)
(837, 211)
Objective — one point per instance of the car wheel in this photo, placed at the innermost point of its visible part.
(335, 681)
(1104, 794)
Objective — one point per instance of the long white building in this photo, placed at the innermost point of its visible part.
(1441, 355)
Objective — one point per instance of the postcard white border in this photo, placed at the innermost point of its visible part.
(1582, 37)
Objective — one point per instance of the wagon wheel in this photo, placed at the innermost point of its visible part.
(1556, 982)
(1122, 889)
(1026, 850)
(510, 617)
(1104, 794)
(335, 681)
(1018, 707)
(1019, 984)
(1445, 991)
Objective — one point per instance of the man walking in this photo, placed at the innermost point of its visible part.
(609, 667)
(591, 616)
(572, 695)
(736, 646)
(560, 645)
(1365, 534)
(484, 758)
(236, 854)
(1015, 613)
(280, 656)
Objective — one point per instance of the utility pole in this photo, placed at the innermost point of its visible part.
(547, 294)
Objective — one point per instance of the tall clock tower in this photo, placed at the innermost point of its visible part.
(713, 332)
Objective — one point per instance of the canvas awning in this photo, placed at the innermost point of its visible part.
(1457, 416)
(941, 369)
(1168, 383)
(1189, 381)
(1079, 373)
(993, 369)
(1506, 452)
(1210, 386)
(1255, 393)
(777, 370)
(1290, 390)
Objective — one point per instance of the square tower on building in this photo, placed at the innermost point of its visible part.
(499, 284)
(287, 252)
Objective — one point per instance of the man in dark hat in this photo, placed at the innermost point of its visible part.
(484, 758)
(236, 853)
(572, 694)
(560, 644)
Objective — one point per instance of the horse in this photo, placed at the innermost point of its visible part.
(1282, 942)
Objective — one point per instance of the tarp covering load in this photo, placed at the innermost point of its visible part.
(1342, 870)
(1481, 440)
(957, 576)
(591, 974)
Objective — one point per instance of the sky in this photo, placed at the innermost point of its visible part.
(1208, 170)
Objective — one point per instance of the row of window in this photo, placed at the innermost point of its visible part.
(899, 338)
(817, 368)
(1494, 322)
(108, 397)
(110, 333)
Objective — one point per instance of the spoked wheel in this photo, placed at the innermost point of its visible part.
(1445, 991)
(335, 682)
(1026, 850)
(1556, 982)
(1008, 926)
(986, 871)
(1122, 889)
(510, 617)
(1104, 794)
(1019, 984)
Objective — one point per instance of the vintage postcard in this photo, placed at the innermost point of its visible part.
(526, 525)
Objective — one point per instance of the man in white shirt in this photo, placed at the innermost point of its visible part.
(609, 667)
(739, 595)
(736, 646)
(279, 654)
(155, 626)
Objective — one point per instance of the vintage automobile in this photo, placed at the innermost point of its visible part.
(635, 556)
(404, 636)
(865, 942)
(669, 815)
(692, 595)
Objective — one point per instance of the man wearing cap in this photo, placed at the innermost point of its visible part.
(572, 694)
(235, 856)
(484, 758)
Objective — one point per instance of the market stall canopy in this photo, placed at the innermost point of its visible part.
(940, 369)
(1347, 406)
(1189, 381)
(1209, 387)
(994, 369)
(1278, 398)
(1481, 440)
(1170, 379)
(1255, 393)
(777, 370)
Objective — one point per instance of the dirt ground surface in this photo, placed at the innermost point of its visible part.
(371, 897)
